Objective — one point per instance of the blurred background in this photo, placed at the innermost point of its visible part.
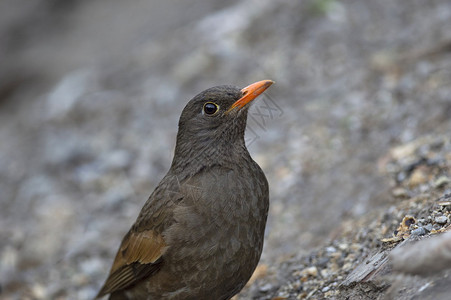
(91, 92)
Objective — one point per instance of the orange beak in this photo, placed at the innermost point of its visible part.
(250, 93)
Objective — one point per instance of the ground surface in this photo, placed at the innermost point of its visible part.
(353, 137)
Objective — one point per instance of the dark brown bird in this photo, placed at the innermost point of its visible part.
(200, 233)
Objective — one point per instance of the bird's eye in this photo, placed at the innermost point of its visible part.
(210, 108)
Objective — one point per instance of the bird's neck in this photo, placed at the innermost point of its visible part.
(190, 158)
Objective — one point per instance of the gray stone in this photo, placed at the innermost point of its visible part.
(441, 220)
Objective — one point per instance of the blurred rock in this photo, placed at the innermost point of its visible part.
(424, 257)
(65, 94)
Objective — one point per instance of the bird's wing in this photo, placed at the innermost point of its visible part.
(141, 250)
(138, 257)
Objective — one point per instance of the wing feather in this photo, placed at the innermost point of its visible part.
(138, 257)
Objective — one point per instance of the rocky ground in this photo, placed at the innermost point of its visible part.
(356, 262)
(354, 136)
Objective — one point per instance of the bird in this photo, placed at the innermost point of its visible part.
(200, 233)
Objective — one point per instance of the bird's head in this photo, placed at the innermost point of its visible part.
(212, 124)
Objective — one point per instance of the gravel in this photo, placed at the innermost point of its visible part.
(353, 137)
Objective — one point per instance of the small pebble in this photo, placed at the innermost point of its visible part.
(116, 159)
(325, 273)
(343, 246)
(331, 249)
(266, 288)
(91, 266)
(38, 291)
(428, 227)
(418, 177)
(330, 294)
(347, 266)
(441, 220)
(322, 262)
(310, 271)
(442, 181)
(424, 188)
(418, 231)
(325, 289)
(401, 176)
(400, 192)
